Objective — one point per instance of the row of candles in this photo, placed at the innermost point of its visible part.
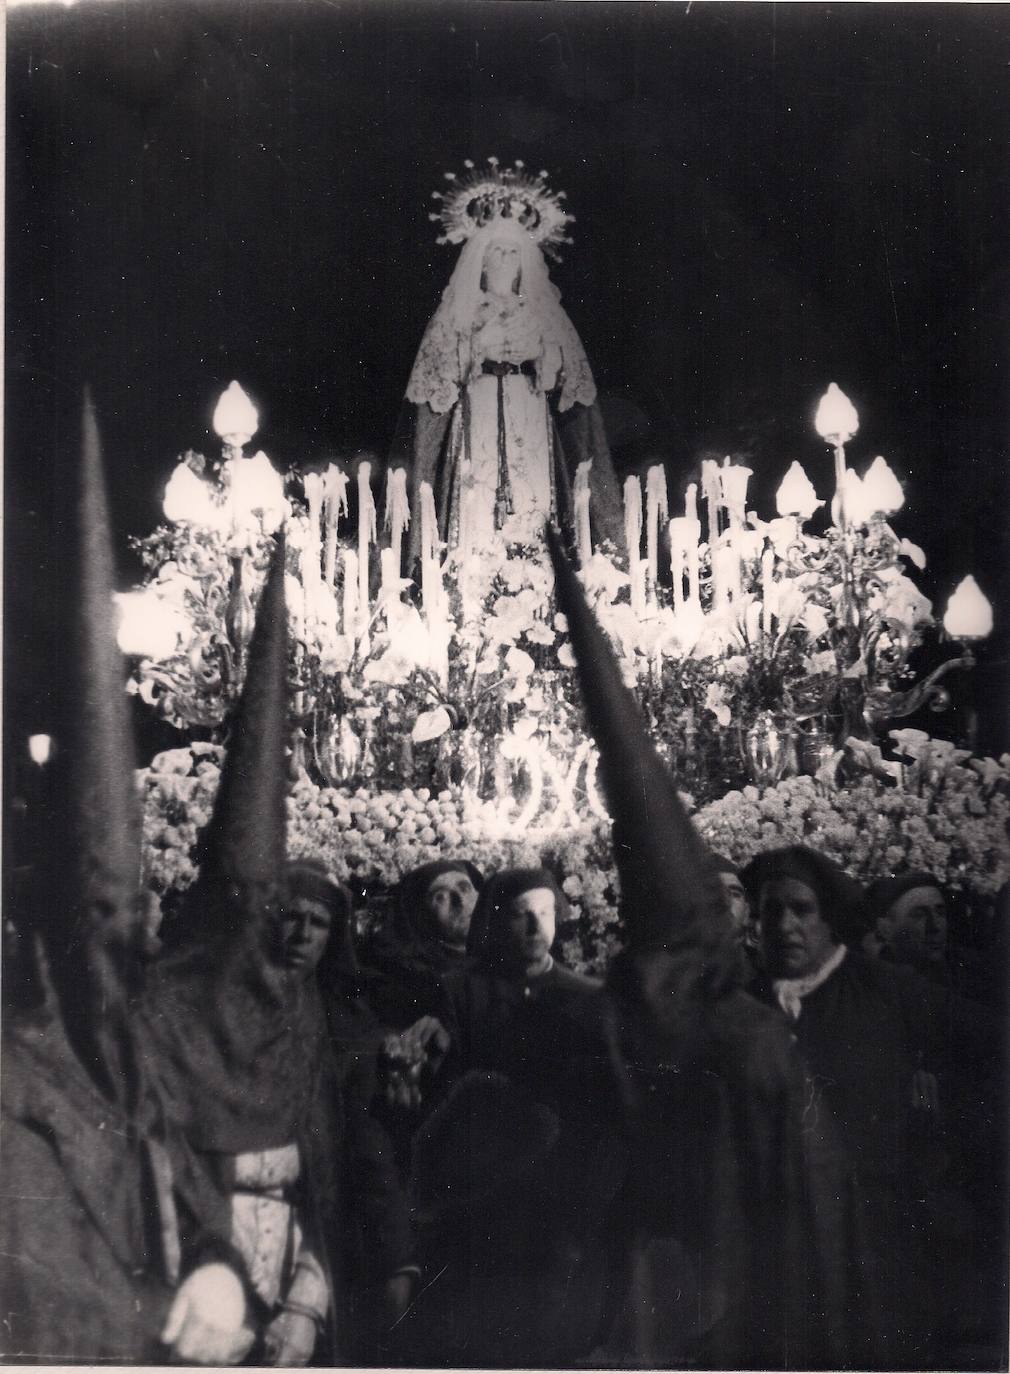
(257, 487)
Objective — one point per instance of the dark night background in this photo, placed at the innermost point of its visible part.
(768, 198)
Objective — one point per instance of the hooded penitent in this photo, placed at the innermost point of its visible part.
(90, 924)
(234, 1032)
(93, 1235)
(671, 897)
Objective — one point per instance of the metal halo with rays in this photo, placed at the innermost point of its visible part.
(482, 195)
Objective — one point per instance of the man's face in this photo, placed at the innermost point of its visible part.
(304, 930)
(797, 940)
(449, 902)
(915, 926)
(531, 925)
(736, 896)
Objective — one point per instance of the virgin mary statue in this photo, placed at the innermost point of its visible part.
(500, 415)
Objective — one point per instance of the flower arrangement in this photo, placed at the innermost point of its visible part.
(935, 808)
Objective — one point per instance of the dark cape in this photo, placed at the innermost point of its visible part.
(862, 1034)
(103, 1207)
(733, 1182)
(516, 1171)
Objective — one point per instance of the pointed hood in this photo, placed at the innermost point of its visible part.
(671, 897)
(243, 843)
(91, 918)
(234, 1034)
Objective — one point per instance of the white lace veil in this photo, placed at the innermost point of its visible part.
(444, 360)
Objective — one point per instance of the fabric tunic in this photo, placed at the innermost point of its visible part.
(99, 1211)
(862, 1034)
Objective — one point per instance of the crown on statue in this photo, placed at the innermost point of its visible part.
(480, 196)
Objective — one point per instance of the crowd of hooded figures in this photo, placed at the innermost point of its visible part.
(762, 1140)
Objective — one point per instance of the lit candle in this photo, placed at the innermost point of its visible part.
(767, 589)
(969, 612)
(335, 485)
(685, 533)
(366, 536)
(429, 551)
(397, 518)
(733, 480)
(678, 557)
(580, 501)
(711, 488)
(693, 539)
(312, 552)
(350, 562)
(633, 538)
(390, 577)
(657, 508)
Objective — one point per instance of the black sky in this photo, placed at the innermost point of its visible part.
(768, 198)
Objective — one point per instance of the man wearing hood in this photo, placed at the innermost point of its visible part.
(115, 1245)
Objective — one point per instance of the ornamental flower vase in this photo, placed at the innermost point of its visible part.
(768, 750)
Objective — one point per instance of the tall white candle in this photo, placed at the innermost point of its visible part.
(633, 537)
(657, 508)
(429, 551)
(679, 536)
(335, 485)
(711, 488)
(693, 541)
(312, 553)
(633, 518)
(397, 517)
(691, 501)
(366, 536)
(580, 501)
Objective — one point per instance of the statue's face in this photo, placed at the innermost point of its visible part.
(502, 269)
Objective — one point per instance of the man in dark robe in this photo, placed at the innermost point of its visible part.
(877, 1040)
(732, 1177)
(235, 1025)
(114, 1242)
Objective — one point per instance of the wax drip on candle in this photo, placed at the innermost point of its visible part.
(580, 502)
(633, 535)
(367, 536)
(657, 509)
(397, 513)
(312, 553)
(711, 487)
(335, 485)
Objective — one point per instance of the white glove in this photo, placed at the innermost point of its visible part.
(207, 1322)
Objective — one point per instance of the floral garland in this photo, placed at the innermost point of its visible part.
(948, 815)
